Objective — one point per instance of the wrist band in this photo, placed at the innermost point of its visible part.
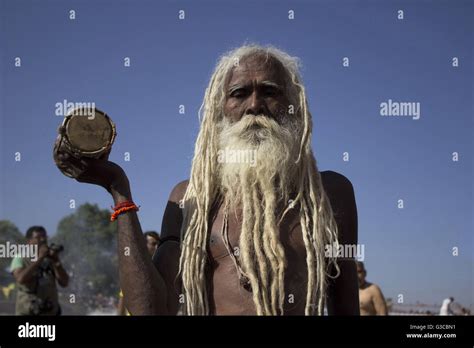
(123, 208)
(122, 205)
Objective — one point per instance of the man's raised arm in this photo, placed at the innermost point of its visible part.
(143, 287)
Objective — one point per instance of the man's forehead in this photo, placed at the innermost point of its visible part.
(260, 66)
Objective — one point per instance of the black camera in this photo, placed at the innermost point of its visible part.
(56, 247)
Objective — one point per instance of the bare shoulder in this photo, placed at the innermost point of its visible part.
(334, 182)
(173, 216)
(374, 289)
(340, 193)
(178, 191)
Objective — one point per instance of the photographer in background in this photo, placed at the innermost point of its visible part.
(37, 292)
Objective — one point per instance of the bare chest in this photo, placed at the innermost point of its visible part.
(366, 303)
(229, 297)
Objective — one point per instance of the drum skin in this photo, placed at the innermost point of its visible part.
(83, 136)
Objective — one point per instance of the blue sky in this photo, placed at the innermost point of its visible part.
(407, 251)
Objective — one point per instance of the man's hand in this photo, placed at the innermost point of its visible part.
(43, 251)
(53, 255)
(99, 171)
(26, 275)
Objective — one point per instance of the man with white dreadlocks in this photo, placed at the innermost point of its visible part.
(242, 237)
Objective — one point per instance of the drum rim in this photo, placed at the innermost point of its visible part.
(82, 152)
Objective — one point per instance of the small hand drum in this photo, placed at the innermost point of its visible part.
(86, 135)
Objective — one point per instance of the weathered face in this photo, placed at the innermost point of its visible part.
(38, 237)
(151, 244)
(256, 86)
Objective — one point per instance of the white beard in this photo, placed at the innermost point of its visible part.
(256, 153)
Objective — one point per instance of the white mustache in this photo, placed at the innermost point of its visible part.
(260, 126)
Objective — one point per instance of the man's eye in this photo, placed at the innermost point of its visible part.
(271, 92)
(238, 93)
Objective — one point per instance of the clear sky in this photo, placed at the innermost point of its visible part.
(408, 251)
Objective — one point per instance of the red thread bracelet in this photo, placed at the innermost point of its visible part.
(123, 204)
(123, 208)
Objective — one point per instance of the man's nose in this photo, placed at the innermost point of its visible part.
(256, 105)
